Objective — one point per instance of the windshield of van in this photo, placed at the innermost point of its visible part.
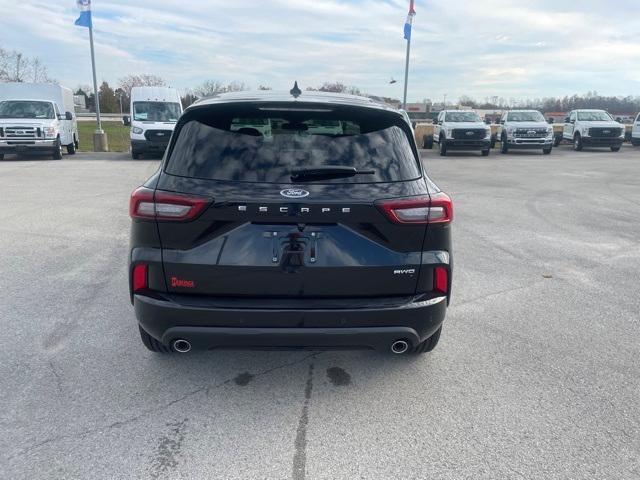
(462, 117)
(594, 117)
(525, 117)
(26, 109)
(215, 149)
(156, 111)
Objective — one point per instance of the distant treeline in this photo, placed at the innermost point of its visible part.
(628, 105)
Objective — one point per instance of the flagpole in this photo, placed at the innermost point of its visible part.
(95, 80)
(406, 74)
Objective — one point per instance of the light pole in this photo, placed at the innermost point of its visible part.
(444, 102)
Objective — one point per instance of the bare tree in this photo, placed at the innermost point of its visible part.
(214, 87)
(142, 80)
(210, 88)
(15, 67)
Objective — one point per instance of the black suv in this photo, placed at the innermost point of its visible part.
(300, 220)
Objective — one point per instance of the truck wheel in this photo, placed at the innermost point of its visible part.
(443, 147)
(504, 146)
(546, 151)
(615, 149)
(57, 150)
(635, 142)
(429, 344)
(485, 153)
(71, 148)
(577, 143)
(152, 344)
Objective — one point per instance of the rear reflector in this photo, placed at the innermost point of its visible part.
(140, 277)
(418, 210)
(441, 280)
(166, 206)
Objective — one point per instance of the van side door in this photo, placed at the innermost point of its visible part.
(62, 123)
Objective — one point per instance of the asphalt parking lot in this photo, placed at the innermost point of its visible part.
(536, 375)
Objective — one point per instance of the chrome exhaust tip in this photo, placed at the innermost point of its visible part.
(399, 347)
(181, 346)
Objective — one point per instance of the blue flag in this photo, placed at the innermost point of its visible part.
(408, 24)
(84, 20)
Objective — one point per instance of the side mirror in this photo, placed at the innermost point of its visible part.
(502, 122)
(566, 119)
(126, 120)
(619, 120)
(550, 121)
(68, 116)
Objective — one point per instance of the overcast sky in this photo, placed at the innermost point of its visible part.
(508, 48)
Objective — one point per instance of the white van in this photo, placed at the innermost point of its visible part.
(37, 118)
(635, 133)
(154, 113)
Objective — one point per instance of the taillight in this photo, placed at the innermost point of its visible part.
(418, 210)
(441, 280)
(140, 277)
(165, 205)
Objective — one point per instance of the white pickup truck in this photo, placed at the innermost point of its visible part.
(37, 118)
(593, 128)
(525, 129)
(461, 130)
(635, 133)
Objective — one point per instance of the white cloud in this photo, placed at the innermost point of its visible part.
(494, 47)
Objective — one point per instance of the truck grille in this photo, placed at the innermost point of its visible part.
(22, 133)
(530, 133)
(468, 133)
(604, 132)
(159, 136)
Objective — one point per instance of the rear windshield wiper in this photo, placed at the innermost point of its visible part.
(328, 171)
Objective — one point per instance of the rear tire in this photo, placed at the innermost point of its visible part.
(428, 142)
(57, 150)
(635, 142)
(504, 146)
(71, 148)
(429, 344)
(615, 149)
(443, 147)
(546, 151)
(577, 143)
(152, 344)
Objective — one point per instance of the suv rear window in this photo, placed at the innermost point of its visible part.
(268, 148)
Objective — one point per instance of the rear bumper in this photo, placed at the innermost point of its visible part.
(143, 146)
(468, 144)
(209, 327)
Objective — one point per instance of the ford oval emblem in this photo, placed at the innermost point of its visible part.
(470, 133)
(294, 193)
